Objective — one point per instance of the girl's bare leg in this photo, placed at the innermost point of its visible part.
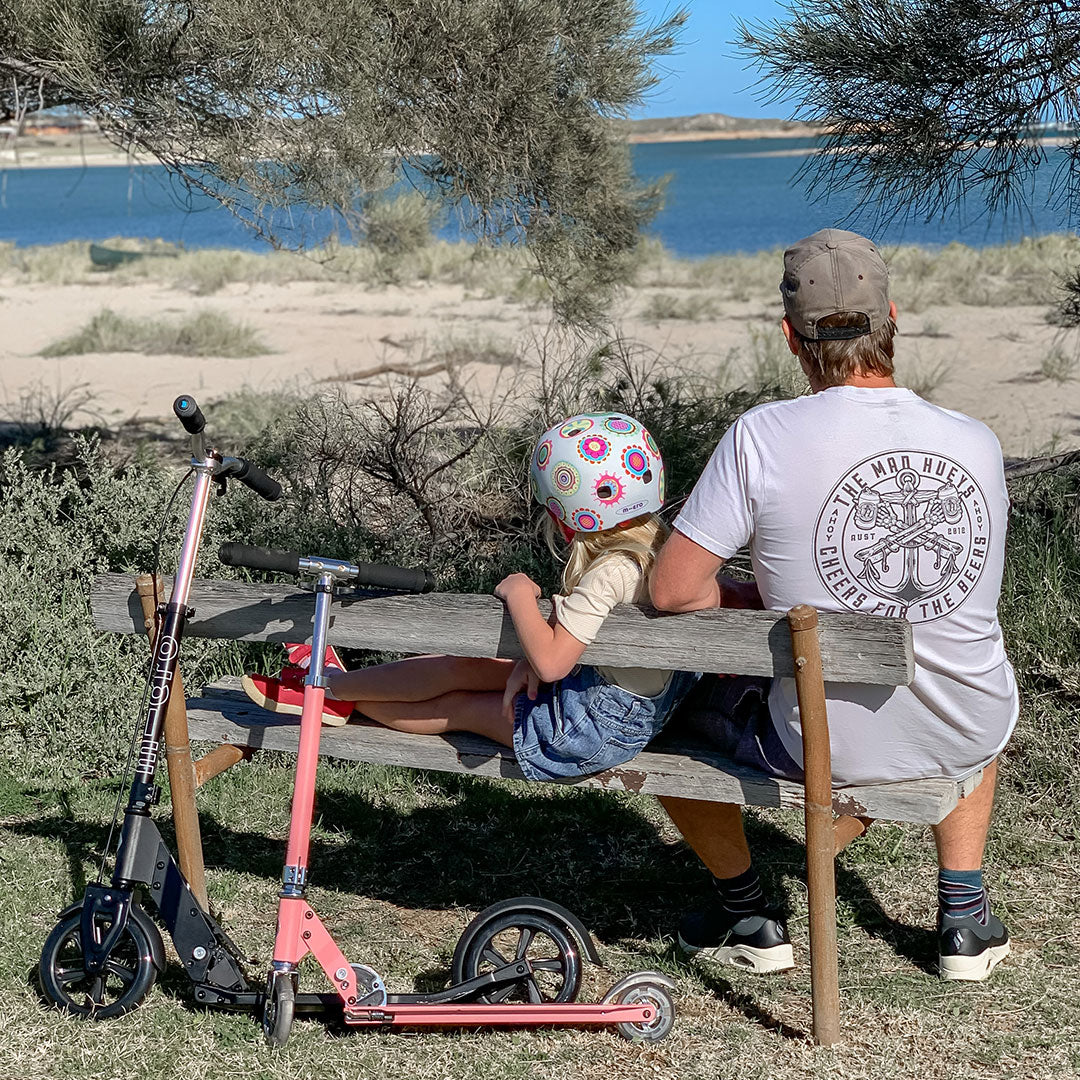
(419, 678)
(459, 710)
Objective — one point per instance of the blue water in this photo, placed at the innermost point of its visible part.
(723, 196)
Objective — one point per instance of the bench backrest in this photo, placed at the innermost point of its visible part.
(854, 648)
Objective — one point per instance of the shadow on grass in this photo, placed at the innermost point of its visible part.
(486, 842)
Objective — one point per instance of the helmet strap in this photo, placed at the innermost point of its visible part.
(568, 534)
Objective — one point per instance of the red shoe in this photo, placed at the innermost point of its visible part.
(299, 656)
(285, 694)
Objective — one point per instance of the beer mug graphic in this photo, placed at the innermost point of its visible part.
(866, 508)
(949, 498)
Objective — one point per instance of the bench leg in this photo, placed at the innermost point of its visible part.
(845, 829)
(820, 834)
(218, 760)
(178, 759)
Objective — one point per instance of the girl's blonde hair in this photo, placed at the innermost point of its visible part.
(640, 539)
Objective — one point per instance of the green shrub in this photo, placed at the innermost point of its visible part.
(1040, 615)
(415, 479)
(401, 225)
(205, 333)
(68, 695)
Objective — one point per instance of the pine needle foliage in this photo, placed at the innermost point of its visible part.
(502, 109)
(927, 101)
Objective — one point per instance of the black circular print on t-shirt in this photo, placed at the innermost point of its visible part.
(903, 534)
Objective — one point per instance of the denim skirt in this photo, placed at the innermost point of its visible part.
(584, 724)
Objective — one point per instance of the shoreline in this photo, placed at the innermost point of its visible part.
(31, 160)
(31, 157)
(101, 154)
(714, 136)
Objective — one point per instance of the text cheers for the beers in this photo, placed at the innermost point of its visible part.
(903, 534)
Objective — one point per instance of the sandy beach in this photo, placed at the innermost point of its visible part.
(329, 334)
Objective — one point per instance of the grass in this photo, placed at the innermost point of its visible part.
(662, 306)
(1008, 275)
(204, 333)
(771, 362)
(1059, 365)
(402, 860)
(503, 271)
(923, 376)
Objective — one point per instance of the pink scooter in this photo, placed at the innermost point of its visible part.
(518, 963)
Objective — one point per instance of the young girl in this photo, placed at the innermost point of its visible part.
(601, 478)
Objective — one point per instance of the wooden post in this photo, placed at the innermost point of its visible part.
(178, 759)
(820, 837)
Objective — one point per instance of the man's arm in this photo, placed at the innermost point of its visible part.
(684, 578)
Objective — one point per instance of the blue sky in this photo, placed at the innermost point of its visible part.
(705, 75)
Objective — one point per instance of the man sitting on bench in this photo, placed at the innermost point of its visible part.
(857, 497)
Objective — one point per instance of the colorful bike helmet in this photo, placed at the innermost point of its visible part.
(597, 470)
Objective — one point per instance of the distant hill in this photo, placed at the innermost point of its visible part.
(713, 126)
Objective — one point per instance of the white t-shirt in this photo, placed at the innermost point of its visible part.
(610, 580)
(873, 500)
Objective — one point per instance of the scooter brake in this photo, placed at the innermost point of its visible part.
(370, 989)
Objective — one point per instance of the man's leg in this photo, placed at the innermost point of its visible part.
(714, 831)
(972, 939)
(736, 929)
(961, 837)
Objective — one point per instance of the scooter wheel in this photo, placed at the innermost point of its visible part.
(494, 942)
(279, 1006)
(663, 1015)
(129, 971)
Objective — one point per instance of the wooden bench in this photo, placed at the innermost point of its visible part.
(800, 644)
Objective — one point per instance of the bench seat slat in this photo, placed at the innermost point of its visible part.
(854, 648)
(671, 766)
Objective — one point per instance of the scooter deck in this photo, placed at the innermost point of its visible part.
(484, 1015)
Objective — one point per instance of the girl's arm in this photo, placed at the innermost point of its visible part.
(550, 648)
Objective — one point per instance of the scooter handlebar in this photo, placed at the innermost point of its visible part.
(189, 414)
(373, 575)
(257, 558)
(260, 482)
(380, 576)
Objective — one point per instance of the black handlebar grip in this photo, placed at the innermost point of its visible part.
(378, 576)
(257, 558)
(261, 483)
(189, 414)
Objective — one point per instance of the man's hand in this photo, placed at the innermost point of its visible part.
(517, 585)
(521, 678)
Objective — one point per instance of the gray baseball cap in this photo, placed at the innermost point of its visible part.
(832, 271)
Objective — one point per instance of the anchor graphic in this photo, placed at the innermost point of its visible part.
(911, 516)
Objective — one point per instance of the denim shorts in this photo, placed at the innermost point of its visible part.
(731, 713)
(584, 724)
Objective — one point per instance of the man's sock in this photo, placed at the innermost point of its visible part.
(961, 893)
(740, 896)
